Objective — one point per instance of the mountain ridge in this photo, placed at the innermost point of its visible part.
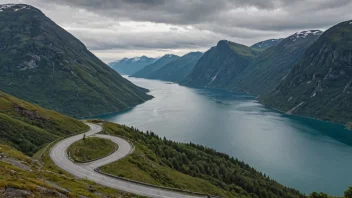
(46, 65)
(149, 69)
(177, 70)
(319, 84)
(263, 45)
(128, 66)
(271, 66)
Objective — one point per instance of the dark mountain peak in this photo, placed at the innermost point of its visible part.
(222, 42)
(235, 44)
(228, 47)
(124, 59)
(193, 54)
(129, 66)
(166, 57)
(156, 65)
(169, 56)
(229, 43)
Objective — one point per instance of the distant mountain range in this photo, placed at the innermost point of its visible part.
(150, 69)
(44, 64)
(177, 70)
(253, 70)
(308, 73)
(128, 66)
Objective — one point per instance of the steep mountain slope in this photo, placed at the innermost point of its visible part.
(319, 85)
(42, 63)
(26, 127)
(128, 66)
(263, 45)
(149, 69)
(220, 65)
(272, 65)
(178, 69)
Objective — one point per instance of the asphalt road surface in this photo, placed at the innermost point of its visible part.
(86, 170)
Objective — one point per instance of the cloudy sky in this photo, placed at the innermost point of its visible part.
(113, 29)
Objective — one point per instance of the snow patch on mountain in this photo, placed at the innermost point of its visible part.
(304, 34)
(135, 59)
(13, 7)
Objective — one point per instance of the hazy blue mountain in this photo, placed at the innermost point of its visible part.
(42, 63)
(320, 84)
(178, 69)
(149, 69)
(128, 66)
(263, 45)
(220, 65)
(273, 64)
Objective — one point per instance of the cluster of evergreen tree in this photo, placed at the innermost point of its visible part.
(220, 169)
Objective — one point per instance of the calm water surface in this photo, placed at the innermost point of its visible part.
(302, 153)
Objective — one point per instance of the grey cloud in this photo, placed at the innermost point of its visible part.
(192, 24)
(291, 14)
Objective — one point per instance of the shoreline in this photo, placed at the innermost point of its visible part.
(269, 107)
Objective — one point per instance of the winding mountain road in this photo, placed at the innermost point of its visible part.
(87, 170)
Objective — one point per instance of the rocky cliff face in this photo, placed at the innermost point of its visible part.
(319, 85)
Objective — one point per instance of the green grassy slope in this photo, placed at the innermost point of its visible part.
(44, 179)
(91, 148)
(42, 63)
(27, 127)
(163, 162)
